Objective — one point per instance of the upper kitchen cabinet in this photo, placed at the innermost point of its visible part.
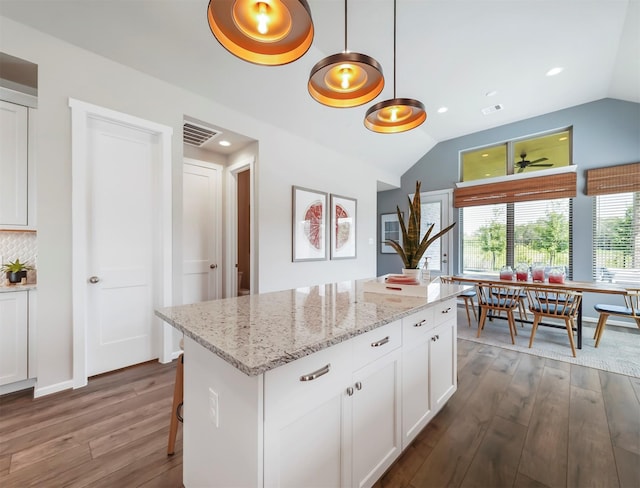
(18, 99)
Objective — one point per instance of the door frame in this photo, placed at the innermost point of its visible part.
(218, 217)
(81, 115)
(446, 196)
(231, 288)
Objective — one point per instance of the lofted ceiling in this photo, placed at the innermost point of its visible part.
(450, 53)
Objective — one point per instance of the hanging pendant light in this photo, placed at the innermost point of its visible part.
(398, 114)
(346, 79)
(267, 32)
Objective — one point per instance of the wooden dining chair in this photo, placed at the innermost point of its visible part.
(498, 298)
(557, 304)
(631, 309)
(467, 296)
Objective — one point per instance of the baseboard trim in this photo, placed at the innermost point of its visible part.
(50, 389)
(17, 386)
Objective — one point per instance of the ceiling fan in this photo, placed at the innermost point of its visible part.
(521, 165)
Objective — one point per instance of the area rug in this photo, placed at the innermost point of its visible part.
(618, 352)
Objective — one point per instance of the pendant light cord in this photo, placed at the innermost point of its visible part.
(394, 48)
(345, 26)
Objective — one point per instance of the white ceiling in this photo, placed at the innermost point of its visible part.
(449, 53)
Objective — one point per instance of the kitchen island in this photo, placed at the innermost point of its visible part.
(318, 386)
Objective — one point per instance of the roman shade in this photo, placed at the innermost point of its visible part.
(624, 178)
(510, 189)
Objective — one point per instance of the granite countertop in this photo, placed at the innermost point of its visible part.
(5, 288)
(256, 333)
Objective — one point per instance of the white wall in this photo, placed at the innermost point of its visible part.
(66, 71)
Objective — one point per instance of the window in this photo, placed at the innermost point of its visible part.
(509, 234)
(526, 155)
(616, 238)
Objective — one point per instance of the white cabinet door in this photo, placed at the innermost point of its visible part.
(13, 337)
(13, 164)
(428, 366)
(375, 419)
(442, 363)
(304, 436)
(416, 402)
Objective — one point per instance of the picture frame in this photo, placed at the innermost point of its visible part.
(389, 229)
(343, 227)
(309, 224)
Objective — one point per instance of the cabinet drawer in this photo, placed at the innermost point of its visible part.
(443, 311)
(376, 343)
(304, 380)
(416, 325)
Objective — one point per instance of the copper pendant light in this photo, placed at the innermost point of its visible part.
(266, 32)
(346, 79)
(398, 114)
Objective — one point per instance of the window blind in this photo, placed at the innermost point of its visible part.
(623, 178)
(523, 232)
(616, 238)
(511, 190)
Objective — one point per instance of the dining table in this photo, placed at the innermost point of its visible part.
(581, 286)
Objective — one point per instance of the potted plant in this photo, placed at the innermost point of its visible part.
(15, 270)
(413, 248)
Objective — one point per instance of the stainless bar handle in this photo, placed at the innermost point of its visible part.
(435, 338)
(316, 374)
(381, 342)
(420, 324)
(446, 311)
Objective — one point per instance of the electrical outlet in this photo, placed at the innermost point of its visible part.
(214, 413)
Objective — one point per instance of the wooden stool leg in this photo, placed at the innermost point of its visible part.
(178, 394)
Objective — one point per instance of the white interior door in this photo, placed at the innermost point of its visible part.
(120, 223)
(436, 209)
(201, 232)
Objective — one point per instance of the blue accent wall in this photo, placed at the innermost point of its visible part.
(605, 133)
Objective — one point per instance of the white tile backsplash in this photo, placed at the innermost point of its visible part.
(22, 246)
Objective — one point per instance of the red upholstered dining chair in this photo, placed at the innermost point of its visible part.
(467, 296)
(498, 298)
(554, 303)
(631, 309)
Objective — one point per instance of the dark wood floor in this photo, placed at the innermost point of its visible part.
(516, 420)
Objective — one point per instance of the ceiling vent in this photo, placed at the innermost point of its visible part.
(197, 135)
(492, 108)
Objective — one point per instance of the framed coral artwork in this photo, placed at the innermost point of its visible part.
(343, 227)
(309, 227)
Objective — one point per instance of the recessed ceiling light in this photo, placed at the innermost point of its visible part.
(485, 155)
(554, 71)
(491, 93)
(563, 138)
(442, 110)
(487, 174)
(224, 143)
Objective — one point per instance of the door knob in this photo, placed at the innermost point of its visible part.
(93, 280)
(213, 266)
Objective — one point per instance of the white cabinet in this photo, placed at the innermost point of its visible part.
(333, 418)
(304, 431)
(375, 416)
(16, 167)
(13, 337)
(429, 374)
